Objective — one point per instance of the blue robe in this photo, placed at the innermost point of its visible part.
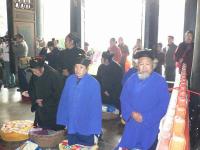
(80, 107)
(130, 72)
(149, 97)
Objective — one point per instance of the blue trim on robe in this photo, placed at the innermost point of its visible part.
(80, 107)
(149, 97)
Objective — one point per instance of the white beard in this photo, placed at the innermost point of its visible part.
(143, 76)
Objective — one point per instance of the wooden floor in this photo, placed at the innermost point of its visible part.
(12, 108)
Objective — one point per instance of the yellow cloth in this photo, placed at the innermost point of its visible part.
(16, 130)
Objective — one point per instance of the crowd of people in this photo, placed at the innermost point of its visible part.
(65, 95)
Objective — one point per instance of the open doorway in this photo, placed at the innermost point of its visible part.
(106, 19)
(56, 22)
(171, 20)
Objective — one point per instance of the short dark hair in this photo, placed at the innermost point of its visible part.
(113, 39)
(50, 44)
(107, 55)
(82, 59)
(171, 36)
(159, 44)
(86, 44)
(20, 36)
(74, 36)
(189, 32)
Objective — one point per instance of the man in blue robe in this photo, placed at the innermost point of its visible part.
(144, 101)
(80, 107)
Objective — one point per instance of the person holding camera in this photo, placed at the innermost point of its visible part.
(20, 49)
(8, 77)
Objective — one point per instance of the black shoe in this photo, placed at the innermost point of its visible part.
(19, 90)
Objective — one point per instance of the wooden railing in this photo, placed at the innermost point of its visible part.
(174, 126)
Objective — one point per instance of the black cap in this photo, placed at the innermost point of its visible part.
(144, 53)
(82, 59)
(36, 62)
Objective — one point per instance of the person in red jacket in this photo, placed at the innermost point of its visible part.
(114, 49)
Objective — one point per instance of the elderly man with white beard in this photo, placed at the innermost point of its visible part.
(144, 101)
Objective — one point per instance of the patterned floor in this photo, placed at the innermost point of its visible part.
(12, 108)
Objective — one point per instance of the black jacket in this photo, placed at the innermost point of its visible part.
(110, 80)
(47, 87)
(67, 58)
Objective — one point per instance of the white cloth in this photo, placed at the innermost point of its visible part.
(5, 56)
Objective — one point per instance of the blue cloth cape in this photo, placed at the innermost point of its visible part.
(80, 107)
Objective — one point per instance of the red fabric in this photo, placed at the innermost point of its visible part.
(117, 53)
(187, 134)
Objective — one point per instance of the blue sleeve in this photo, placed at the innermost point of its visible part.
(96, 117)
(158, 111)
(61, 112)
(125, 103)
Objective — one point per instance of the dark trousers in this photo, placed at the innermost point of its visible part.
(23, 84)
(80, 139)
(8, 77)
(170, 73)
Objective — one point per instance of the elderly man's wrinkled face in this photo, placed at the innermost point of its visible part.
(145, 67)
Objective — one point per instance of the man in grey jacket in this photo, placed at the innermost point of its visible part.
(20, 49)
(169, 61)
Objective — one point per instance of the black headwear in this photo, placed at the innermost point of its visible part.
(36, 62)
(107, 55)
(144, 53)
(82, 59)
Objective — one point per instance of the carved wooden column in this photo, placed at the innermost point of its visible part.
(77, 19)
(195, 83)
(151, 23)
(195, 77)
(24, 22)
(190, 15)
(39, 6)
